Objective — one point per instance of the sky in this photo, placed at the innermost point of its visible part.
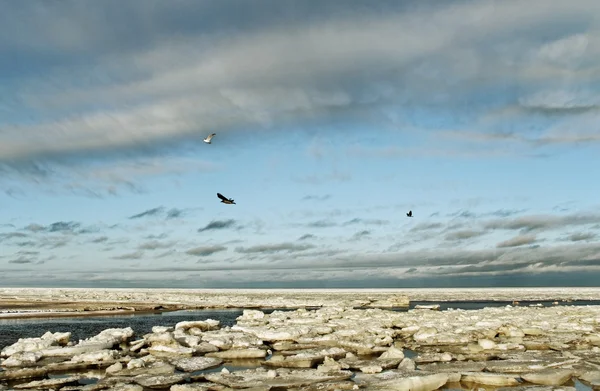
(332, 119)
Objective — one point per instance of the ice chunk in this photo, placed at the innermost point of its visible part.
(549, 377)
(490, 379)
(194, 364)
(204, 325)
(285, 378)
(36, 344)
(239, 353)
(404, 381)
(22, 359)
(47, 383)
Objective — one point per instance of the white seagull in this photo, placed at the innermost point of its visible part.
(207, 140)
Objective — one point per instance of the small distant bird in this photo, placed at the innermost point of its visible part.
(409, 214)
(210, 136)
(225, 200)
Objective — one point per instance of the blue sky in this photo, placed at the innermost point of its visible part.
(333, 119)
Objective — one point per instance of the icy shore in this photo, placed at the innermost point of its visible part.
(60, 301)
(331, 348)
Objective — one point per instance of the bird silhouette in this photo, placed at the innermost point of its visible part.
(409, 214)
(225, 200)
(209, 137)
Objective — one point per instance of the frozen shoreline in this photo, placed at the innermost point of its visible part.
(52, 302)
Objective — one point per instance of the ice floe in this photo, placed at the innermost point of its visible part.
(330, 348)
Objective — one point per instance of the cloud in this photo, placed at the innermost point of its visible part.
(517, 241)
(361, 234)
(218, 224)
(506, 212)
(12, 235)
(307, 236)
(22, 260)
(63, 226)
(366, 222)
(463, 235)
(132, 255)
(174, 213)
(426, 227)
(100, 239)
(35, 228)
(543, 222)
(324, 197)
(167, 83)
(321, 224)
(273, 248)
(205, 251)
(159, 236)
(149, 213)
(155, 245)
(464, 214)
(581, 236)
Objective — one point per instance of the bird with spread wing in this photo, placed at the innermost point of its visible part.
(225, 200)
(209, 137)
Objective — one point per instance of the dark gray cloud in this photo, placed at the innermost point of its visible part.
(324, 197)
(132, 255)
(575, 264)
(204, 251)
(63, 226)
(307, 236)
(507, 212)
(27, 243)
(581, 236)
(426, 227)
(218, 224)
(273, 248)
(463, 214)
(361, 234)
(149, 213)
(520, 240)
(543, 222)
(35, 228)
(463, 234)
(155, 245)
(159, 236)
(174, 213)
(100, 239)
(366, 221)
(321, 224)
(12, 235)
(23, 260)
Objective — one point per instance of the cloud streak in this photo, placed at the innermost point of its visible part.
(169, 87)
(218, 225)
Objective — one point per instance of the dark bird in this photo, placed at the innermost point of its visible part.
(209, 137)
(225, 200)
(409, 214)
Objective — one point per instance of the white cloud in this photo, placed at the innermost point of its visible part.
(186, 85)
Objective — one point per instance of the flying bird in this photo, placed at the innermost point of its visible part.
(409, 214)
(210, 136)
(225, 200)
